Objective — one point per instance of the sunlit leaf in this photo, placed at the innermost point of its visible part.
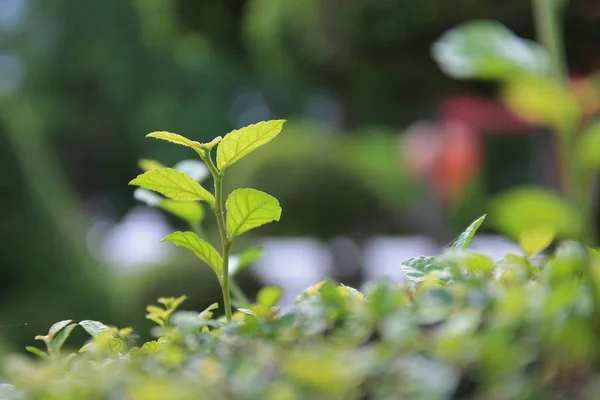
(94, 328)
(61, 337)
(147, 164)
(173, 184)
(248, 209)
(208, 311)
(269, 296)
(175, 138)
(463, 241)
(36, 351)
(531, 208)
(190, 211)
(535, 240)
(54, 329)
(236, 144)
(204, 251)
(240, 261)
(543, 102)
(484, 49)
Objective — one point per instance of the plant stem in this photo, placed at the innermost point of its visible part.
(548, 30)
(236, 290)
(219, 210)
(548, 27)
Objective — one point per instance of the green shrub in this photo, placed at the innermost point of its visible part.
(462, 326)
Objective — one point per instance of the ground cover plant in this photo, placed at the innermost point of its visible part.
(460, 326)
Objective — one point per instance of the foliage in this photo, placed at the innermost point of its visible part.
(245, 209)
(517, 327)
(533, 79)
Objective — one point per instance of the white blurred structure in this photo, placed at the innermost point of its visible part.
(291, 263)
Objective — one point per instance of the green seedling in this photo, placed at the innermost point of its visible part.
(243, 210)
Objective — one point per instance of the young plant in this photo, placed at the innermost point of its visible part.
(243, 210)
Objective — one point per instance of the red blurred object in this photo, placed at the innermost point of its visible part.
(482, 115)
(448, 154)
(457, 163)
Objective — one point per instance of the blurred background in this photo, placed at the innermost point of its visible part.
(383, 157)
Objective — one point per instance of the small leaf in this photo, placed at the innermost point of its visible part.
(535, 240)
(175, 138)
(484, 49)
(528, 209)
(54, 329)
(465, 238)
(589, 147)
(416, 269)
(238, 262)
(173, 184)
(176, 302)
(94, 328)
(148, 165)
(240, 142)
(212, 143)
(61, 337)
(190, 211)
(154, 309)
(200, 248)
(207, 313)
(248, 209)
(195, 169)
(269, 296)
(36, 351)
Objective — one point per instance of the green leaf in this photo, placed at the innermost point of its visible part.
(61, 337)
(175, 138)
(190, 211)
(530, 209)
(147, 164)
(173, 184)
(463, 241)
(588, 148)
(240, 142)
(94, 328)
(484, 49)
(416, 269)
(535, 240)
(200, 248)
(248, 209)
(208, 312)
(238, 262)
(54, 329)
(269, 296)
(543, 102)
(212, 143)
(36, 351)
